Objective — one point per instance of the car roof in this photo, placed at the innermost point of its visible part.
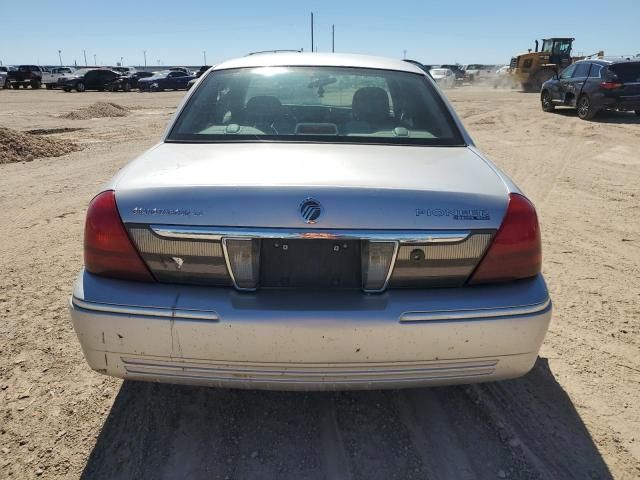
(610, 60)
(318, 60)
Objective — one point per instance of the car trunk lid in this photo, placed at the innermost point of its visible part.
(357, 186)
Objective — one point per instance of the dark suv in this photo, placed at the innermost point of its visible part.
(94, 79)
(594, 85)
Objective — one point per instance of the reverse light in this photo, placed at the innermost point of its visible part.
(516, 250)
(243, 257)
(377, 258)
(108, 251)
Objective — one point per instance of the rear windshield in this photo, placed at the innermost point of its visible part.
(323, 104)
(626, 72)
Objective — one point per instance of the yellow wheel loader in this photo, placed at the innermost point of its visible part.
(533, 68)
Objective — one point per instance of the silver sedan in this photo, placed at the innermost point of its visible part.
(312, 221)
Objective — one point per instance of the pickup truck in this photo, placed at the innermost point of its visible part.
(26, 75)
(4, 76)
(50, 77)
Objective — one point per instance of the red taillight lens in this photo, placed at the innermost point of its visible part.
(611, 85)
(107, 249)
(516, 250)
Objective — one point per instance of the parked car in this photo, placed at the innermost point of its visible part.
(4, 69)
(127, 71)
(165, 80)
(25, 76)
(457, 70)
(133, 79)
(476, 71)
(421, 66)
(202, 70)
(443, 77)
(180, 69)
(593, 85)
(93, 79)
(504, 79)
(301, 227)
(51, 75)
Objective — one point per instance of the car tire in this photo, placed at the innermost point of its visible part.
(35, 84)
(638, 113)
(80, 87)
(546, 102)
(586, 111)
(7, 84)
(67, 89)
(48, 86)
(126, 87)
(16, 86)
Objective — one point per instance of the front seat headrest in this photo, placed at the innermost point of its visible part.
(370, 104)
(263, 109)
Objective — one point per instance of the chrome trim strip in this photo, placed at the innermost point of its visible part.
(439, 315)
(402, 236)
(180, 314)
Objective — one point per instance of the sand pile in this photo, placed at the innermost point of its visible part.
(16, 146)
(98, 110)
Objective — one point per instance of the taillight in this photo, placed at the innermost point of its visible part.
(108, 251)
(611, 85)
(515, 251)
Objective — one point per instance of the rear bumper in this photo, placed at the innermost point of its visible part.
(304, 341)
(610, 102)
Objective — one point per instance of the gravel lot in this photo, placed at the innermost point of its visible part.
(576, 415)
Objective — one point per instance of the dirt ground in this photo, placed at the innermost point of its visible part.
(576, 415)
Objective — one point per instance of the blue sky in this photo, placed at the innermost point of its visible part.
(177, 31)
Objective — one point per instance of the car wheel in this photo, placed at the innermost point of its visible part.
(126, 87)
(48, 86)
(638, 113)
(547, 103)
(585, 108)
(36, 84)
(7, 83)
(80, 87)
(16, 86)
(67, 89)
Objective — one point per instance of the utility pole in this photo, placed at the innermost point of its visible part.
(204, 56)
(404, 54)
(144, 52)
(122, 61)
(60, 56)
(95, 61)
(84, 52)
(333, 38)
(312, 32)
